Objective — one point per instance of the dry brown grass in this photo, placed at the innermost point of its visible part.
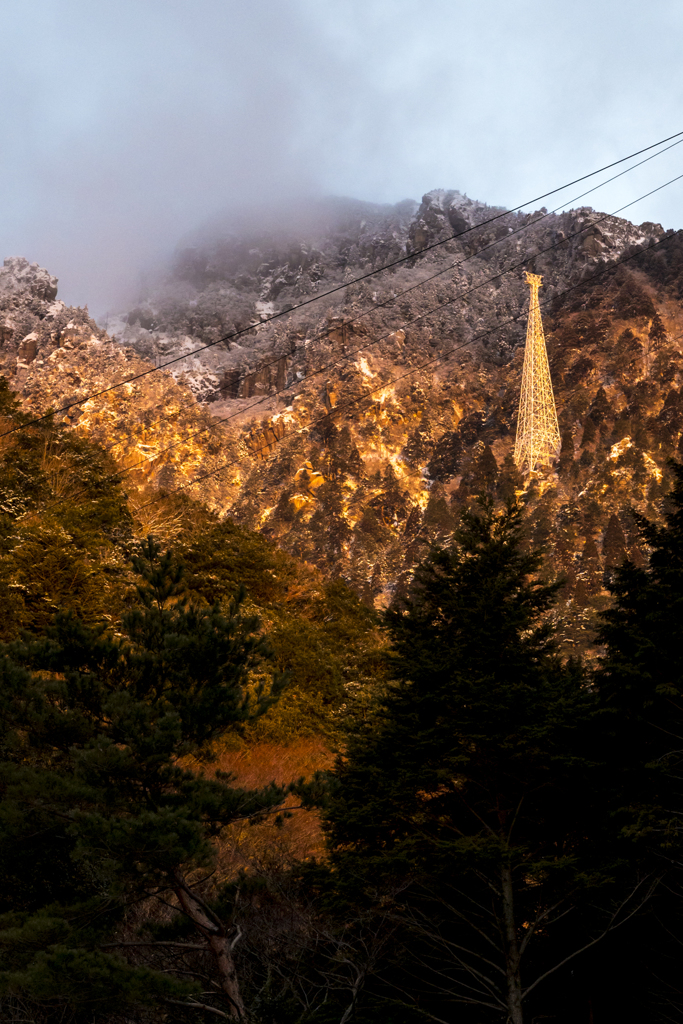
(152, 515)
(268, 845)
(61, 478)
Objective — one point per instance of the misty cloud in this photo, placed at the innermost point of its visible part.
(127, 124)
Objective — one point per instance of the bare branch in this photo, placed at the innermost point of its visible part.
(194, 1005)
(153, 945)
(514, 819)
(237, 938)
(544, 916)
(481, 820)
(610, 928)
(478, 976)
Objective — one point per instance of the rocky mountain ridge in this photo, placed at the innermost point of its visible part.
(232, 283)
(352, 430)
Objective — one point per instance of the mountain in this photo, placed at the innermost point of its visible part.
(352, 430)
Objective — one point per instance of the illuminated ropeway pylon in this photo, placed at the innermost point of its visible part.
(538, 435)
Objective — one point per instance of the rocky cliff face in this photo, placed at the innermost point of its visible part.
(352, 431)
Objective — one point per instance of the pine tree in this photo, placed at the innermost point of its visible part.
(472, 801)
(614, 543)
(640, 685)
(641, 674)
(484, 472)
(589, 432)
(106, 800)
(600, 408)
(54, 552)
(590, 571)
(566, 464)
(510, 480)
(657, 332)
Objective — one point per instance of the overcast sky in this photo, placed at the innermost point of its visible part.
(126, 123)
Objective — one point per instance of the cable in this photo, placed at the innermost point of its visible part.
(266, 364)
(387, 302)
(337, 288)
(462, 295)
(422, 317)
(249, 455)
(226, 465)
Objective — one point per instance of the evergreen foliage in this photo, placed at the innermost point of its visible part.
(106, 788)
(324, 639)
(496, 813)
(640, 682)
(66, 533)
(657, 331)
(642, 672)
(472, 802)
(510, 480)
(614, 543)
(64, 524)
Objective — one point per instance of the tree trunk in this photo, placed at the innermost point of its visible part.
(214, 933)
(514, 984)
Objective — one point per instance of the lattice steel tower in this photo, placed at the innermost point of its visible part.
(538, 435)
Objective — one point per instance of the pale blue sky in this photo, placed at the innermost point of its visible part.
(124, 124)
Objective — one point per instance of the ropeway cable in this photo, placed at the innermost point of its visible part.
(164, 494)
(437, 358)
(364, 347)
(266, 364)
(336, 289)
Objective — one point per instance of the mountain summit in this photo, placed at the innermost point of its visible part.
(352, 430)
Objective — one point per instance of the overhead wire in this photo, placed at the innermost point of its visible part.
(478, 337)
(395, 296)
(287, 388)
(166, 493)
(423, 316)
(365, 347)
(334, 290)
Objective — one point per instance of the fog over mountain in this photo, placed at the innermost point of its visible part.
(126, 125)
(354, 430)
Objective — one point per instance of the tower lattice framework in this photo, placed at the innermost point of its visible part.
(538, 434)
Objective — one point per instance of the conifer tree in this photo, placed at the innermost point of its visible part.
(566, 464)
(657, 332)
(484, 472)
(472, 800)
(614, 543)
(640, 678)
(510, 479)
(107, 801)
(640, 685)
(641, 675)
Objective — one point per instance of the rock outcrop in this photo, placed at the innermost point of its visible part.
(33, 322)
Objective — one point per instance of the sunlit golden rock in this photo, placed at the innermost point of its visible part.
(300, 501)
(309, 478)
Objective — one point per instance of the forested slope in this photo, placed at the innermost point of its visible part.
(195, 564)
